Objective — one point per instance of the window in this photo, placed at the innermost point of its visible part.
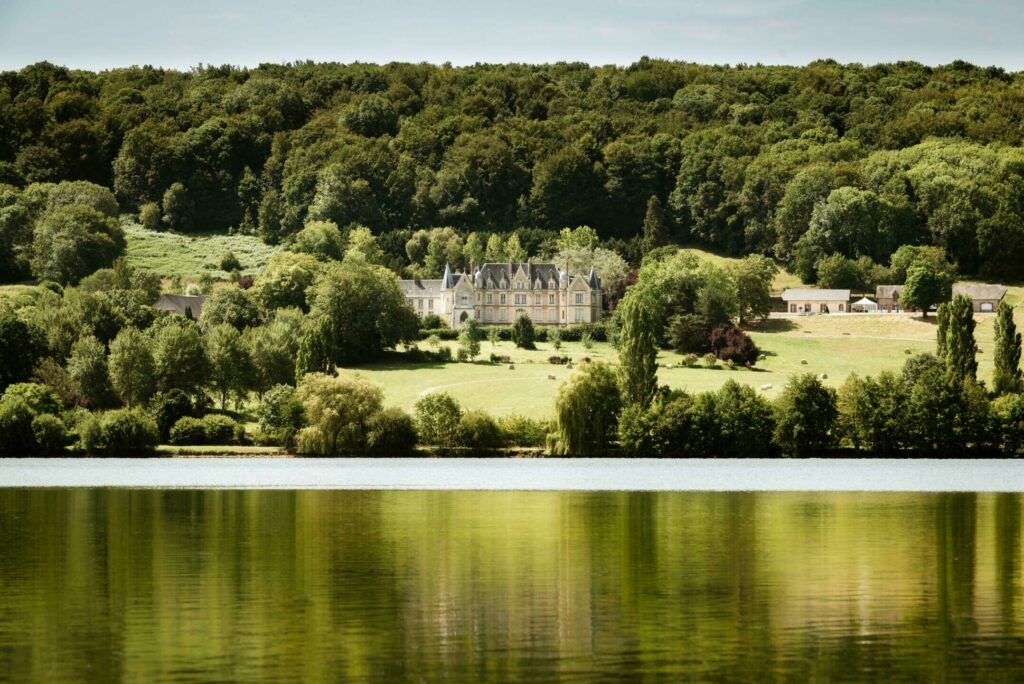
(579, 315)
(553, 316)
(536, 300)
(579, 297)
(842, 307)
(487, 314)
(520, 312)
(503, 299)
(593, 298)
(823, 308)
(464, 299)
(504, 314)
(490, 298)
(419, 303)
(551, 299)
(430, 304)
(792, 308)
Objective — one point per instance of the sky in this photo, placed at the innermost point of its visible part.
(101, 34)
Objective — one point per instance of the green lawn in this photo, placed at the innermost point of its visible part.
(191, 255)
(831, 345)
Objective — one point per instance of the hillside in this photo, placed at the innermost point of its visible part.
(799, 162)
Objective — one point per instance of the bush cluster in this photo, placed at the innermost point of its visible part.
(209, 430)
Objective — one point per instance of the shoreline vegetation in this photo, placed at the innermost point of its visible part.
(289, 200)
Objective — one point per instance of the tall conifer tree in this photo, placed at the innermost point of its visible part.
(1007, 376)
(655, 232)
(961, 348)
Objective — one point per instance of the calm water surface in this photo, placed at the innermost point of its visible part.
(150, 585)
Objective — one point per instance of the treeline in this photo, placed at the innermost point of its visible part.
(795, 162)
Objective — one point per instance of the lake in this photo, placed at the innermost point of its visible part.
(226, 585)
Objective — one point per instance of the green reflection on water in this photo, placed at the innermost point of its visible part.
(148, 585)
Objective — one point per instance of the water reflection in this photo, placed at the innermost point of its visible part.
(146, 585)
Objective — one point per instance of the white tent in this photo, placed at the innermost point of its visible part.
(864, 304)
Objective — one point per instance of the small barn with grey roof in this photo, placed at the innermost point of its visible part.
(190, 306)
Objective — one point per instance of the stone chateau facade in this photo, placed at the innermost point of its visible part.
(497, 294)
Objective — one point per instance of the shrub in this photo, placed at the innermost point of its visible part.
(500, 358)
(462, 355)
(559, 360)
(477, 430)
(730, 343)
(587, 340)
(497, 333)
(90, 434)
(149, 216)
(805, 416)
(219, 429)
(447, 334)
(432, 322)
(710, 360)
(16, 427)
(437, 419)
(1008, 411)
(50, 434)
(38, 398)
(554, 336)
(281, 415)
(210, 429)
(523, 432)
(523, 333)
(688, 333)
(690, 360)
(126, 432)
(188, 431)
(168, 408)
(228, 262)
(391, 432)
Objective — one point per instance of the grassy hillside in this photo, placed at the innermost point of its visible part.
(784, 279)
(192, 255)
(832, 345)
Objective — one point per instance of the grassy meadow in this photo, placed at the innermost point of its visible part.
(835, 346)
(190, 256)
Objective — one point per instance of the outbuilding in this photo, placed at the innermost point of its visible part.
(984, 296)
(811, 300)
(190, 306)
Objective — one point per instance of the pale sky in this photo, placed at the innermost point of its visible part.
(98, 34)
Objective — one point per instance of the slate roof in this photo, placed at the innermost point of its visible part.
(979, 291)
(420, 287)
(814, 295)
(493, 273)
(179, 304)
(887, 291)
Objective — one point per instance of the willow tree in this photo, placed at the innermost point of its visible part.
(1006, 378)
(961, 349)
(638, 346)
(587, 412)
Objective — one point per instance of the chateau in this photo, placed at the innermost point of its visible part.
(497, 294)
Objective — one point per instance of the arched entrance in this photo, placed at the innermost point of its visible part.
(463, 317)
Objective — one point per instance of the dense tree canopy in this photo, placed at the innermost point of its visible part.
(797, 162)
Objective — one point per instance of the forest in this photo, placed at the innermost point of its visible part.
(797, 163)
